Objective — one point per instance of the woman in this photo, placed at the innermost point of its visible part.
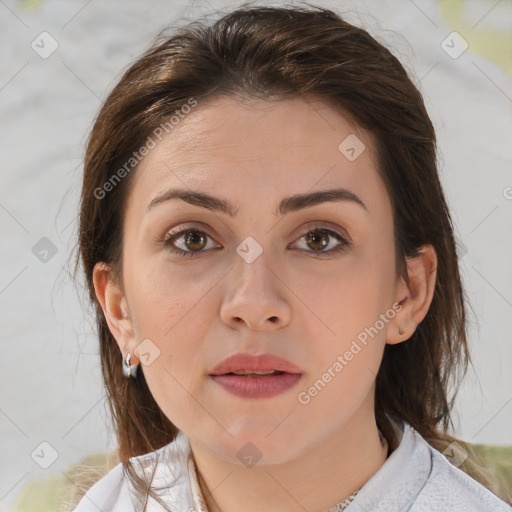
(271, 255)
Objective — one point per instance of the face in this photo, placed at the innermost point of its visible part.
(308, 284)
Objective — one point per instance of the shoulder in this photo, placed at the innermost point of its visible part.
(448, 488)
(418, 478)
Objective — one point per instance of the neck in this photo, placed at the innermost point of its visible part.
(317, 480)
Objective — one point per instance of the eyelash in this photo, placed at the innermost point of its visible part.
(168, 241)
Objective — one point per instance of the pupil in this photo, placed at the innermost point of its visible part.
(192, 238)
(318, 236)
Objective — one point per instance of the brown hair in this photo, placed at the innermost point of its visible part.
(279, 53)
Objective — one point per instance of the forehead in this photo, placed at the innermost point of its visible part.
(259, 147)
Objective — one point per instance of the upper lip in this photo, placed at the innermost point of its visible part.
(263, 362)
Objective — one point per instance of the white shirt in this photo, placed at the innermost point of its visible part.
(414, 478)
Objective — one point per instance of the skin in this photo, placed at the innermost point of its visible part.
(199, 310)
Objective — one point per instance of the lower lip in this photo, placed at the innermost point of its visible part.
(264, 386)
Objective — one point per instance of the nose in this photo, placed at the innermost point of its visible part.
(256, 297)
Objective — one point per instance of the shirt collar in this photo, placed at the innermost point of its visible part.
(393, 486)
(174, 478)
(401, 478)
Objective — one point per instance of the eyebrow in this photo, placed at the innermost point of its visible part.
(288, 204)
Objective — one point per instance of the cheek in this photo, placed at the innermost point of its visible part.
(169, 300)
(344, 319)
(172, 312)
(344, 297)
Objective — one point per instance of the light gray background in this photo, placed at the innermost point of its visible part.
(50, 383)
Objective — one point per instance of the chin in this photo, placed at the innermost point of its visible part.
(254, 446)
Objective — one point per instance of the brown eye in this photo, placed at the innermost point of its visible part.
(195, 240)
(316, 240)
(187, 242)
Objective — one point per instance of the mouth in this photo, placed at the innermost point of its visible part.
(247, 364)
(261, 384)
(250, 376)
(249, 373)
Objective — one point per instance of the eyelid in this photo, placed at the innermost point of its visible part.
(324, 224)
(344, 238)
(180, 230)
(176, 233)
(199, 226)
(340, 235)
(303, 229)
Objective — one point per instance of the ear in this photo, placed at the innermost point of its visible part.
(415, 298)
(115, 309)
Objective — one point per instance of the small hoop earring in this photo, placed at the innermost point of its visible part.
(129, 370)
(400, 331)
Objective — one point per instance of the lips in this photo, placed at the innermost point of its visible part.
(263, 376)
(247, 364)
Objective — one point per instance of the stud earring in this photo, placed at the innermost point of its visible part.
(129, 370)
